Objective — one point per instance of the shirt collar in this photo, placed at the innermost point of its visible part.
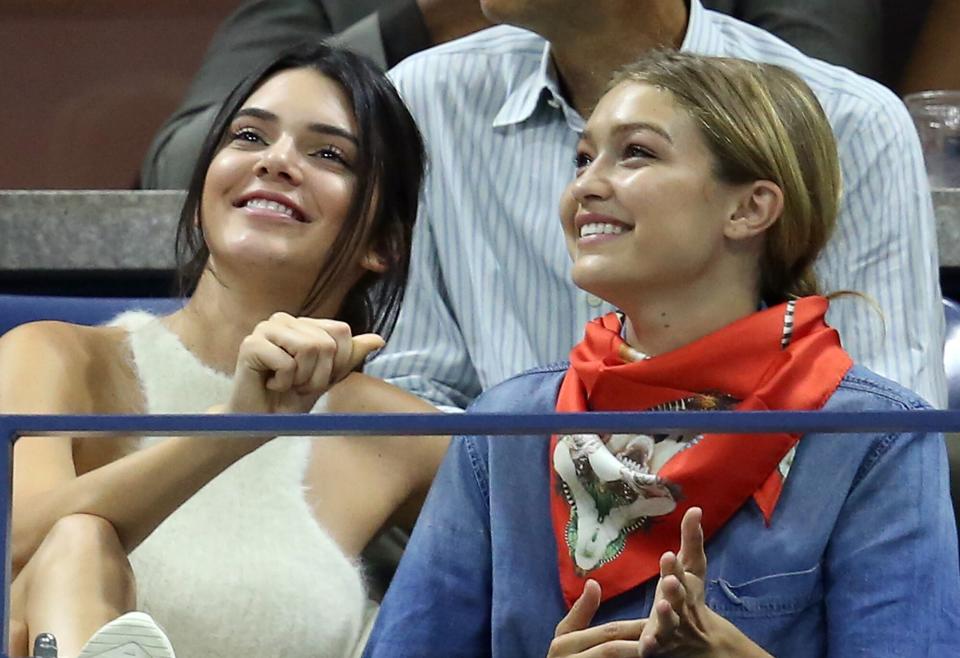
(524, 100)
(700, 36)
(542, 85)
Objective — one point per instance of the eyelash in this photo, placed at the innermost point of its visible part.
(582, 160)
(329, 152)
(243, 134)
(332, 153)
(637, 151)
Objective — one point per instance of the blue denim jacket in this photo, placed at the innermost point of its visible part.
(859, 560)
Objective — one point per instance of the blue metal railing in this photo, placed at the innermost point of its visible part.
(13, 427)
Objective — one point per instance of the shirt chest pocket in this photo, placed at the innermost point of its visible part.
(766, 596)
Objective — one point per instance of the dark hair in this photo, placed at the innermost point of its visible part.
(389, 170)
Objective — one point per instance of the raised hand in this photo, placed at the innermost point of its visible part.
(289, 362)
(574, 638)
(681, 625)
(679, 622)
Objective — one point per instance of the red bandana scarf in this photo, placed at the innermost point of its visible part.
(617, 501)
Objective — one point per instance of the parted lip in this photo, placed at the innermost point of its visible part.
(277, 197)
(584, 218)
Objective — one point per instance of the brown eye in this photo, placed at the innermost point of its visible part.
(637, 151)
(246, 135)
(333, 154)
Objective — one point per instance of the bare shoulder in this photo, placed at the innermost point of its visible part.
(50, 367)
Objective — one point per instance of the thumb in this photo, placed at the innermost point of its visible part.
(582, 611)
(361, 346)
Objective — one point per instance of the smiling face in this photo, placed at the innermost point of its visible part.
(282, 184)
(646, 214)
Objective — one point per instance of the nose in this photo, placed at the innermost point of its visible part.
(280, 161)
(591, 184)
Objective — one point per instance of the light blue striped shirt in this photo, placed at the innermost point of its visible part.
(490, 292)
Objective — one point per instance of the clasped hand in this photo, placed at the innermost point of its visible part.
(287, 363)
(680, 623)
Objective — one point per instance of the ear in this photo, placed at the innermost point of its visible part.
(760, 205)
(374, 262)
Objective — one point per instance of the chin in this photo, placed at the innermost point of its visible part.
(258, 258)
(594, 285)
(509, 12)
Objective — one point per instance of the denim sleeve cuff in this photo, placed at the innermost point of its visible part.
(403, 30)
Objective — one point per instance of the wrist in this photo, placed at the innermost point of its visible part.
(731, 642)
(242, 446)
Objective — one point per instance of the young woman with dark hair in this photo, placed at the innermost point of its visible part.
(295, 240)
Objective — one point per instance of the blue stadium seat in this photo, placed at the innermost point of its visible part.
(19, 309)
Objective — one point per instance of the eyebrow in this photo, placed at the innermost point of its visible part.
(634, 127)
(321, 128)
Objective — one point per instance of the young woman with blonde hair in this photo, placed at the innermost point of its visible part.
(704, 190)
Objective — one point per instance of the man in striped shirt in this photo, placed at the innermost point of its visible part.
(490, 292)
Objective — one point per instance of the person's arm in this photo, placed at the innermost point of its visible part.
(885, 247)
(384, 479)
(283, 366)
(891, 578)
(935, 60)
(42, 370)
(259, 30)
(438, 603)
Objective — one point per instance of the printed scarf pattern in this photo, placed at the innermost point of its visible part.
(617, 500)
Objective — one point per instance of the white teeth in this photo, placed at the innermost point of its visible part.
(270, 205)
(598, 228)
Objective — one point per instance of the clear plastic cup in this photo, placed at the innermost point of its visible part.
(936, 115)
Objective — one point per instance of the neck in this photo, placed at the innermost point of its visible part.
(660, 323)
(587, 53)
(219, 316)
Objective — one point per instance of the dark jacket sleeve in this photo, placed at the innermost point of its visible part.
(847, 33)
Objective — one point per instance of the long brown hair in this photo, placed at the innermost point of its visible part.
(389, 171)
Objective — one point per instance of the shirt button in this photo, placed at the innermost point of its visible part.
(554, 103)
(594, 301)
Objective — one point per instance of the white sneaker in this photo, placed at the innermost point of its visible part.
(133, 635)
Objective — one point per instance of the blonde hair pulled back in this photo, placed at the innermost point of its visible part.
(761, 122)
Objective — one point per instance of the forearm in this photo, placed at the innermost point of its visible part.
(135, 493)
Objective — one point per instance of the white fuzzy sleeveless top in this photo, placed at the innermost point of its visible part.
(242, 568)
